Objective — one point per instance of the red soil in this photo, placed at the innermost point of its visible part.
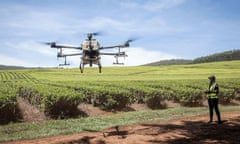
(191, 130)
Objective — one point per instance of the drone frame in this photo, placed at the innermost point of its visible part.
(88, 59)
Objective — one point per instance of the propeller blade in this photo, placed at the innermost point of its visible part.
(131, 40)
(127, 43)
(49, 43)
(52, 44)
(95, 33)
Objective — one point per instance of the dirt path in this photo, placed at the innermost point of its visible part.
(192, 130)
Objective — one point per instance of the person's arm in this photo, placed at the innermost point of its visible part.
(216, 89)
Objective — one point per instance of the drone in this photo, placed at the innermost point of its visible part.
(90, 52)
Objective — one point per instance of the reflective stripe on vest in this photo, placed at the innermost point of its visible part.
(211, 89)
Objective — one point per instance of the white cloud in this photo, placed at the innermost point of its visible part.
(32, 46)
(152, 5)
(161, 23)
(106, 22)
(7, 60)
(26, 17)
(161, 4)
(140, 56)
(30, 23)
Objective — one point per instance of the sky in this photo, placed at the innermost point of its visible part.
(165, 29)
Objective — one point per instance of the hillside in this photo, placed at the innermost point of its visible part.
(6, 67)
(169, 62)
(223, 56)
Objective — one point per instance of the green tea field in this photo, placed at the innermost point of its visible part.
(66, 96)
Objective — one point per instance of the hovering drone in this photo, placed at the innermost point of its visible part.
(90, 52)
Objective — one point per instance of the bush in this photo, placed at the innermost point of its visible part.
(58, 102)
(155, 99)
(226, 96)
(8, 103)
(189, 97)
(112, 99)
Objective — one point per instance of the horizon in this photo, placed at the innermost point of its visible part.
(108, 66)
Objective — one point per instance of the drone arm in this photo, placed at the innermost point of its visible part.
(63, 46)
(65, 55)
(126, 44)
(111, 47)
(114, 54)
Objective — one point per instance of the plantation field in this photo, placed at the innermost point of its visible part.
(58, 93)
(197, 71)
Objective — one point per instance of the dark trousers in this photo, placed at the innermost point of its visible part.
(213, 104)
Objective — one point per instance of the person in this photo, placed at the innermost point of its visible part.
(212, 94)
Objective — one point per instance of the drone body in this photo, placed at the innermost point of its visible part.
(90, 52)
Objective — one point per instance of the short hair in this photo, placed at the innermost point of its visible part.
(212, 77)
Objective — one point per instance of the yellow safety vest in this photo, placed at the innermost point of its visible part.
(212, 94)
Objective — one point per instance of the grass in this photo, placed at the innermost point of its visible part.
(19, 131)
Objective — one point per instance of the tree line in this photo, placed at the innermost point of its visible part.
(223, 56)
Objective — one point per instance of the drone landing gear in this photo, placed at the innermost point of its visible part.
(117, 62)
(100, 68)
(90, 63)
(81, 67)
(65, 62)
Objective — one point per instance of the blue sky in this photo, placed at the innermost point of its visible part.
(166, 28)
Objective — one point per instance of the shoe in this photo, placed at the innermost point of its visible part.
(220, 122)
(210, 121)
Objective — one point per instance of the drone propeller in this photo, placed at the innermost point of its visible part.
(97, 33)
(94, 33)
(132, 39)
(47, 43)
(52, 44)
(127, 43)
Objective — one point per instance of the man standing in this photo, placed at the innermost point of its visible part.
(212, 94)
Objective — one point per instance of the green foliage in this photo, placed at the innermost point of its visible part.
(8, 103)
(59, 91)
(56, 101)
(155, 99)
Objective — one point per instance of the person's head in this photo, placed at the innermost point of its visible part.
(212, 78)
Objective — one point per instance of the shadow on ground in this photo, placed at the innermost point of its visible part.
(192, 132)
